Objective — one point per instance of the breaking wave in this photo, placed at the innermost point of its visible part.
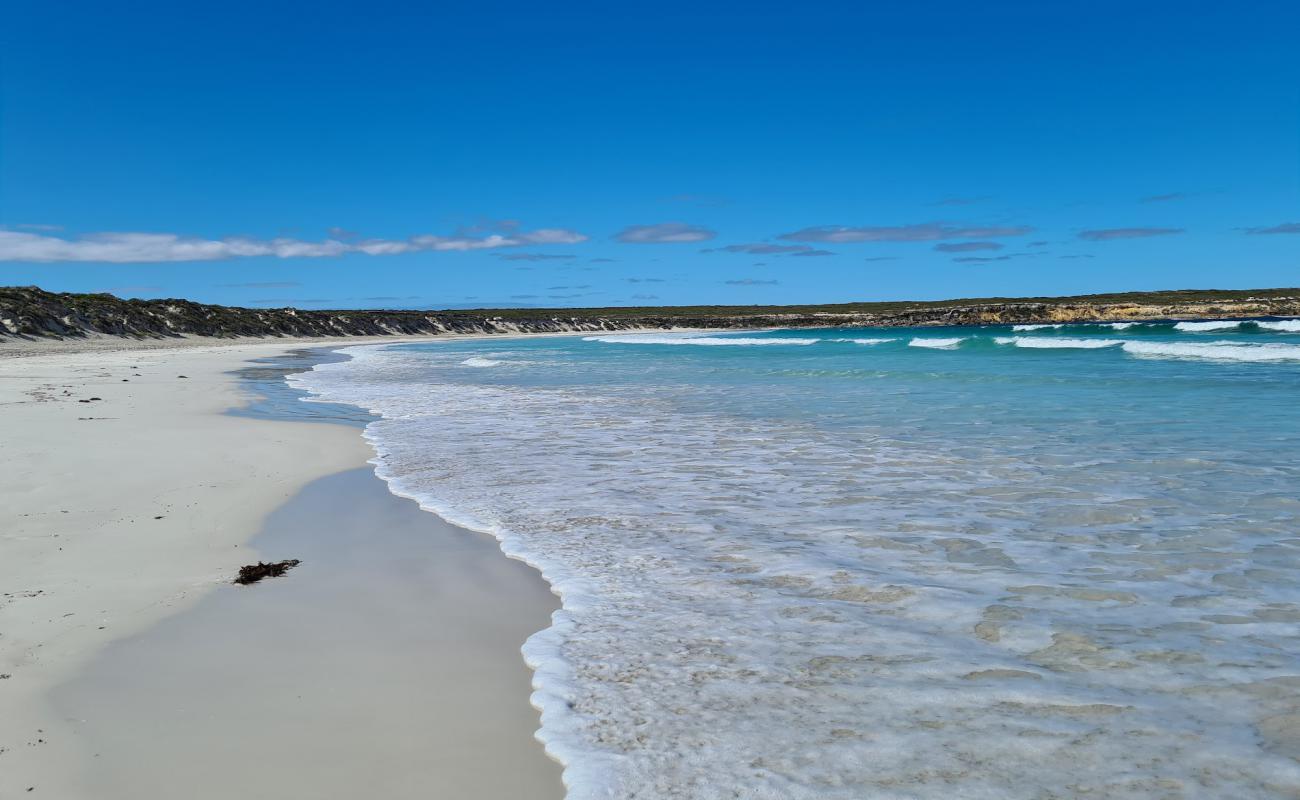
(1283, 325)
(863, 341)
(1210, 325)
(734, 341)
(1033, 342)
(1218, 351)
(937, 344)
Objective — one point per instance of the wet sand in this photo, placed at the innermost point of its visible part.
(385, 665)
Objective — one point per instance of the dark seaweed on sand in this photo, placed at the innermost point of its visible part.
(252, 573)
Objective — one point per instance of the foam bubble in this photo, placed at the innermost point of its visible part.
(476, 361)
(1035, 327)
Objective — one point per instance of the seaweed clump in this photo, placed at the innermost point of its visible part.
(252, 573)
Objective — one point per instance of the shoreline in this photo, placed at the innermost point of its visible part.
(13, 348)
(169, 485)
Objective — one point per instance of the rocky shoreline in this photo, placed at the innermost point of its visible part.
(30, 313)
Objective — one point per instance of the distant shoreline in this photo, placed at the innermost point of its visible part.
(29, 314)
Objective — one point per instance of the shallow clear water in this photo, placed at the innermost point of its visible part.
(272, 398)
(1035, 563)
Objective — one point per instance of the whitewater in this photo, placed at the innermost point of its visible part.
(899, 563)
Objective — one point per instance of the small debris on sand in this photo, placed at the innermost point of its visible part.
(252, 573)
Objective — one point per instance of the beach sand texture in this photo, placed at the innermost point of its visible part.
(372, 668)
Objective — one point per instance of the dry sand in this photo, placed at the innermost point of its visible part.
(136, 508)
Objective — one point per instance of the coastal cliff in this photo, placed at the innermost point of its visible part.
(31, 313)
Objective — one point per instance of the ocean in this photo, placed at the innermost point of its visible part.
(999, 562)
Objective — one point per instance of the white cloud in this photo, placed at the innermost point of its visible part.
(136, 248)
(664, 233)
(919, 232)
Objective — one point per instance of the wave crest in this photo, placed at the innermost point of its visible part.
(1218, 351)
(737, 341)
(1210, 325)
(938, 344)
(1052, 344)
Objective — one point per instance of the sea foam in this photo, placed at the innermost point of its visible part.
(951, 343)
(1020, 584)
(1212, 325)
(733, 341)
(1219, 351)
(1057, 343)
(1284, 325)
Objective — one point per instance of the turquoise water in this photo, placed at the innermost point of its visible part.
(981, 562)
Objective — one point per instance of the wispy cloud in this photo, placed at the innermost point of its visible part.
(967, 247)
(960, 201)
(293, 301)
(1110, 234)
(644, 280)
(920, 232)
(664, 233)
(1286, 227)
(750, 282)
(129, 248)
(645, 297)
(698, 199)
(881, 258)
(759, 248)
(535, 256)
(769, 249)
(987, 259)
(1165, 198)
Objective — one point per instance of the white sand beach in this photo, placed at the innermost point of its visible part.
(128, 501)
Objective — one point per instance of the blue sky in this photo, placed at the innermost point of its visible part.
(626, 154)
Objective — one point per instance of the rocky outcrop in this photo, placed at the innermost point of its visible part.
(32, 313)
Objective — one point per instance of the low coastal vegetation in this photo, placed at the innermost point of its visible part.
(29, 312)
